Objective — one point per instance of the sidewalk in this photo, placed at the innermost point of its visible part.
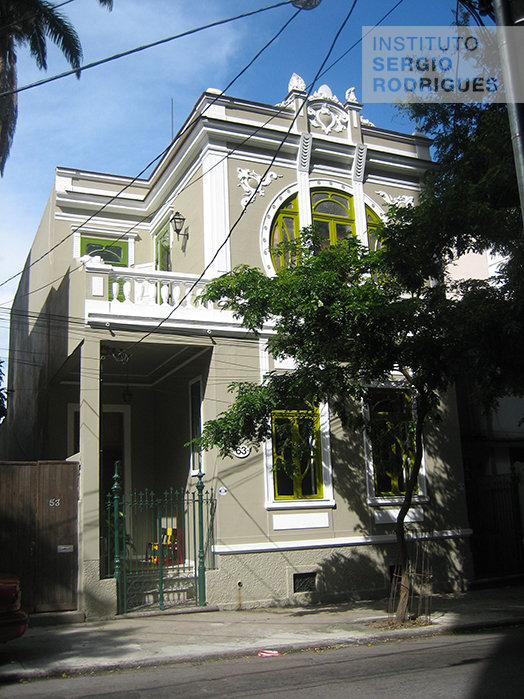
(211, 634)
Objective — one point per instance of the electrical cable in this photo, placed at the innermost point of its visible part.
(360, 40)
(33, 16)
(94, 64)
(179, 135)
(253, 195)
(184, 130)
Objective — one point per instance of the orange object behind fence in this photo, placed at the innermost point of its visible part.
(171, 553)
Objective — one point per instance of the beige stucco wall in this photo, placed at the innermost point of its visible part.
(342, 573)
(63, 367)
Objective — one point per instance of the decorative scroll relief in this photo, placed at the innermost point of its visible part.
(252, 182)
(401, 200)
(304, 155)
(327, 117)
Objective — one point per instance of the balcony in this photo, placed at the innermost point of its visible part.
(131, 297)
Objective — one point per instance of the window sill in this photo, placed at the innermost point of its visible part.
(383, 502)
(299, 504)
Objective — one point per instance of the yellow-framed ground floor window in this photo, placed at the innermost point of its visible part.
(391, 443)
(297, 454)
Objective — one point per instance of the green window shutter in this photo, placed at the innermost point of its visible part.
(333, 214)
(286, 227)
(163, 251)
(373, 224)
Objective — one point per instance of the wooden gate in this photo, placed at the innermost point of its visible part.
(38, 531)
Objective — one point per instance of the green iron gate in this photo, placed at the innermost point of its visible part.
(159, 547)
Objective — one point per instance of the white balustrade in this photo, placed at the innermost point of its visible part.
(176, 293)
(164, 293)
(158, 290)
(126, 288)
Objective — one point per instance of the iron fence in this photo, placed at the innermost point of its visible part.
(158, 547)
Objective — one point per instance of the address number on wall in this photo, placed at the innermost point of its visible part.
(54, 502)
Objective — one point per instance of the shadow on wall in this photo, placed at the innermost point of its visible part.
(48, 580)
(447, 556)
(353, 576)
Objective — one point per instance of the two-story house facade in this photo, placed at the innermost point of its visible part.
(123, 363)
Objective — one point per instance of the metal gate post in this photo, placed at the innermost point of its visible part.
(116, 517)
(160, 556)
(201, 561)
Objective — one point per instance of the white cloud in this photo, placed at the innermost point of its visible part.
(117, 117)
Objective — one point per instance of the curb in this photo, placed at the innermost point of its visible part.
(231, 653)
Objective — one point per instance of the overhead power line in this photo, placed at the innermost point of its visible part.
(255, 192)
(186, 128)
(5, 27)
(179, 135)
(138, 49)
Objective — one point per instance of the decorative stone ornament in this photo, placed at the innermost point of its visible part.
(296, 84)
(351, 96)
(401, 200)
(252, 182)
(324, 93)
(327, 117)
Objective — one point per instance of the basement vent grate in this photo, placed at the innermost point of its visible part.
(304, 582)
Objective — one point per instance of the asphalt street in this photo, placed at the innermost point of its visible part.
(480, 665)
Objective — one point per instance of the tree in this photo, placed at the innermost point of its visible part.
(352, 317)
(478, 9)
(30, 23)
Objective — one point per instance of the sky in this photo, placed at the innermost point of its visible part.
(118, 117)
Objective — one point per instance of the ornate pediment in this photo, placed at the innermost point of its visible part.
(326, 112)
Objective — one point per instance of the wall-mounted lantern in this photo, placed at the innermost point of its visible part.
(178, 223)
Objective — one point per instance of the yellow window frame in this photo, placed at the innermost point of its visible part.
(392, 439)
(297, 463)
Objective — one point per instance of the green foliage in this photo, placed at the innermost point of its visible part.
(470, 201)
(348, 323)
(30, 23)
(470, 204)
(350, 316)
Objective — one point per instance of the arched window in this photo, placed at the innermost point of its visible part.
(333, 214)
(373, 223)
(286, 228)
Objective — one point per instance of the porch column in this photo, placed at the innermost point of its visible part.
(97, 597)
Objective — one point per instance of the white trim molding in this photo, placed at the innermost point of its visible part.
(365, 540)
